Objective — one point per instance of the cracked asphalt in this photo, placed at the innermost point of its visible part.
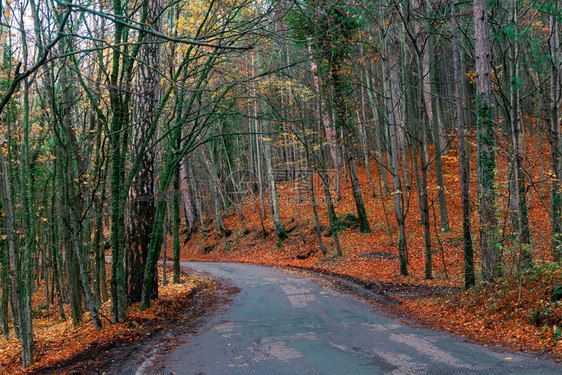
(284, 323)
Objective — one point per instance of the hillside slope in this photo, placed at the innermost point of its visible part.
(520, 311)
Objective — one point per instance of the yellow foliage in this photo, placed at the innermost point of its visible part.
(290, 88)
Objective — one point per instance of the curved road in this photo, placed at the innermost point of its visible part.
(282, 323)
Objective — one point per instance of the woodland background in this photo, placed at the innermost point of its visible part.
(430, 128)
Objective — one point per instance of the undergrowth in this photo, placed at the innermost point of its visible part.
(527, 308)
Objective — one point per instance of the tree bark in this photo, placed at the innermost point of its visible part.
(554, 132)
(142, 188)
(21, 299)
(393, 128)
(519, 188)
(342, 113)
(489, 245)
(118, 290)
(279, 228)
(464, 158)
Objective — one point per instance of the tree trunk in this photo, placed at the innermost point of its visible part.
(279, 229)
(464, 158)
(422, 188)
(258, 153)
(324, 115)
(439, 146)
(314, 203)
(554, 133)
(73, 193)
(216, 192)
(489, 245)
(176, 228)
(342, 113)
(519, 190)
(117, 136)
(142, 188)
(6, 291)
(187, 196)
(424, 48)
(364, 146)
(21, 301)
(378, 137)
(393, 128)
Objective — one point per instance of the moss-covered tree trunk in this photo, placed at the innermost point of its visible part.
(118, 290)
(489, 245)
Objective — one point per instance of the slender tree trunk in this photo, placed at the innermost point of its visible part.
(422, 188)
(99, 242)
(364, 146)
(554, 133)
(21, 304)
(187, 196)
(118, 288)
(489, 245)
(439, 146)
(28, 224)
(69, 256)
(279, 229)
(519, 191)
(317, 225)
(56, 279)
(216, 193)
(176, 228)
(425, 102)
(464, 158)
(6, 291)
(324, 114)
(157, 235)
(56, 260)
(393, 128)
(333, 219)
(325, 130)
(198, 205)
(424, 48)
(257, 136)
(74, 196)
(342, 113)
(23, 275)
(378, 137)
(98, 239)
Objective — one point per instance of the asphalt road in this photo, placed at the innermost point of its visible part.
(283, 323)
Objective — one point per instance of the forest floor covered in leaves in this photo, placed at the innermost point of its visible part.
(61, 348)
(522, 311)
